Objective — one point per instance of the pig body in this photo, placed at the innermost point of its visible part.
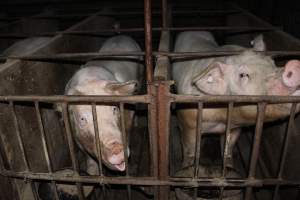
(249, 73)
(105, 77)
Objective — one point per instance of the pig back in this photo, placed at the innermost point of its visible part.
(25, 47)
(123, 68)
(183, 71)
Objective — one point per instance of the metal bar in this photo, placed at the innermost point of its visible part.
(125, 146)
(163, 66)
(122, 55)
(253, 99)
(198, 144)
(45, 146)
(21, 145)
(71, 147)
(228, 130)
(163, 124)
(113, 31)
(148, 40)
(97, 138)
(225, 150)
(198, 139)
(256, 145)
(284, 151)
(79, 99)
(150, 181)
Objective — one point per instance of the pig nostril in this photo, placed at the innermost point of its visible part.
(289, 75)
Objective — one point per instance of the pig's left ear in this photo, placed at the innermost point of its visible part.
(212, 80)
(125, 88)
(258, 43)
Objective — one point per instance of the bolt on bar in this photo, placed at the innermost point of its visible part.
(72, 147)
(284, 151)
(256, 145)
(22, 148)
(45, 146)
(125, 146)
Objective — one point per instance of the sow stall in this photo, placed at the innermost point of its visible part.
(35, 143)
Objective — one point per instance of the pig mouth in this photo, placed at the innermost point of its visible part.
(120, 167)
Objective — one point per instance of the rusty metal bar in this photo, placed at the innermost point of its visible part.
(284, 151)
(253, 99)
(72, 147)
(163, 66)
(79, 99)
(45, 146)
(256, 145)
(148, 40)
(125, 146)
(163, 123)
(151, 181)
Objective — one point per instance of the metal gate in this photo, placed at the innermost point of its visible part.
(158, 98)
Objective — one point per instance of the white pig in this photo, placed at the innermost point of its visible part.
(249, 73)
(105, 77)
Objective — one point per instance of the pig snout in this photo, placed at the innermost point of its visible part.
(291, 74)
(116, 157)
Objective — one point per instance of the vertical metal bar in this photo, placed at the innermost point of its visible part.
(97, 138)
(21, 145)
(283, 156)
(225, 150)
(71, 147)
(148, 40)
(45, 146)
(125, 145)
(198, 144)
(256, 145)
(164, 13)
(98, 143)
(163, 123)
(153, 137)
(198, 139)
(5, 157)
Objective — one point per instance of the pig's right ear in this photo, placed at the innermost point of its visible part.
(258, 43)
(125, 88)
(212, 81)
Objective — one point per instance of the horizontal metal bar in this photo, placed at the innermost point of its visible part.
(121, 55)
(108, 32)
(189, 182)
(234, 98)
(79, 99)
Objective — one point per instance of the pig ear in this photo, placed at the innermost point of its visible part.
(58, 107)
(258, 43)
(125, 88)
(212, 80)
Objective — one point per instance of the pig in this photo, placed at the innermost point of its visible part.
(105, 77)
(250, 72)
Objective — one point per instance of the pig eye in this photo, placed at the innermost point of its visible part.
(115, 110)
(82, 121)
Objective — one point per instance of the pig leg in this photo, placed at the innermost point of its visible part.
(231, 141)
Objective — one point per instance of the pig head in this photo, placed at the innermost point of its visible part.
(108, 121)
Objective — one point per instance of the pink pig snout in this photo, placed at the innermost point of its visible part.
(291, 74)
(117, 157)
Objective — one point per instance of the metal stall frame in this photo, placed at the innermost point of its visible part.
(159, 100)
